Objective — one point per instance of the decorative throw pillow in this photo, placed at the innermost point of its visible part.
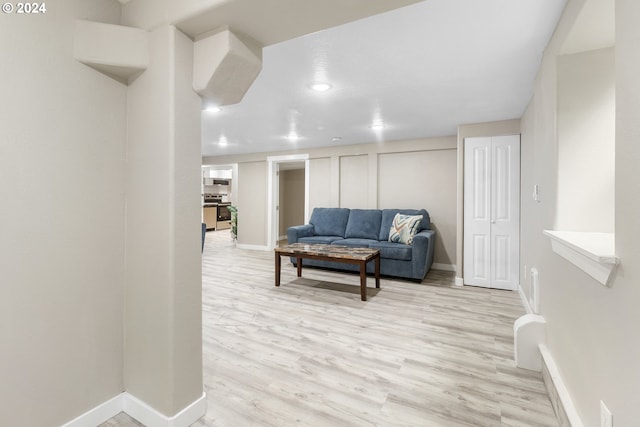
(404, 227)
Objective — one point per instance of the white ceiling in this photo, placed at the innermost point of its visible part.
(422, 69)
(274, 21)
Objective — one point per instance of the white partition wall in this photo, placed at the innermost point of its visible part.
(354, 189)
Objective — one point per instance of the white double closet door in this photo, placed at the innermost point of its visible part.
(492, 212)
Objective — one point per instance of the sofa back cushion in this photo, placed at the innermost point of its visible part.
(364, 224)
(329, 221)
(389, 214)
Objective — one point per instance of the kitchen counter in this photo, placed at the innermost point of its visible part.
(210, 215)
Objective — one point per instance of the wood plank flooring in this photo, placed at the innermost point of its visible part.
(310, 353)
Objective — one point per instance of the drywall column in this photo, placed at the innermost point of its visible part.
(163, 339)
(622, 387)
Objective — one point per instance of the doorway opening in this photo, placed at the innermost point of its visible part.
(288, 199)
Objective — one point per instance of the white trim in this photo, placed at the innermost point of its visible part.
(307, 179)
(459, 281)
(525, 300)
(593, 253)
(134, 407)
(152, 418)
(272, 192)
(252, 247)
(444, 267)
(99, 414)
(558, 385)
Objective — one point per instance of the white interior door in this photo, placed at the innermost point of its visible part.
(477, 212)
(492, 211)
(505, 223)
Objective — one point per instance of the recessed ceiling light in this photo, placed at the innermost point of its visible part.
(336, 139)
(212, 109)
(223, 141)
(293, 137)
(321, 87)
(377, 126)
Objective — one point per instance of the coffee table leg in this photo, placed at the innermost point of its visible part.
(299, 262)
(363, 281)
(278, 261)
(377, 262)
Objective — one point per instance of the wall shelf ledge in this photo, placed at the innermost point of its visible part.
(593, 253)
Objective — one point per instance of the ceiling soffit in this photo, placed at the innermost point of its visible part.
(274, 21)
(594, 28)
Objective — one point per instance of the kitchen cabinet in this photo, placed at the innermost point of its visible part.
(217, 173)
(221, 173)
(210, 216)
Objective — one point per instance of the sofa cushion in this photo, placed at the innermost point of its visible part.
(364, 224)
(404, 227)
(329, 221)
(355, 243)
(325, 240)
(389, 214)
(392, 250)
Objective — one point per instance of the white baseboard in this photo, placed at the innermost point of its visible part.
(252, 247)
(152, 418)
(561, 401)
(134, 407)
(459, 281)
(99, 414)
(444, 267)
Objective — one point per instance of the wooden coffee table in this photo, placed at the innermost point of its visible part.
(336, 253)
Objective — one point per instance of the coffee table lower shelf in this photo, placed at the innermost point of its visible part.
(343, 254)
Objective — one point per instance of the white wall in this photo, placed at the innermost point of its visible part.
(354, 185)
(621, 382)
(320, 183)
(363, 176)
(252, 202)
(592, 329)
(504, 127)
(423, 179)
(62, 167)
(163, 351)
(586, 141)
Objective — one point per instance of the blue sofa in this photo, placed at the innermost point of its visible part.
(369, 228)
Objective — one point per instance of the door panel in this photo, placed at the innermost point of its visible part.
(481, 258)
(501, 256)
(492, 211)
(501, 166)
(505, 227)
(477, 200)
(481, 195)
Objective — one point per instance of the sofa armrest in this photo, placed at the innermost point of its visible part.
(297, 231)
(422, 257)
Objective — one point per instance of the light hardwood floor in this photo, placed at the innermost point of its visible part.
(310, 353)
